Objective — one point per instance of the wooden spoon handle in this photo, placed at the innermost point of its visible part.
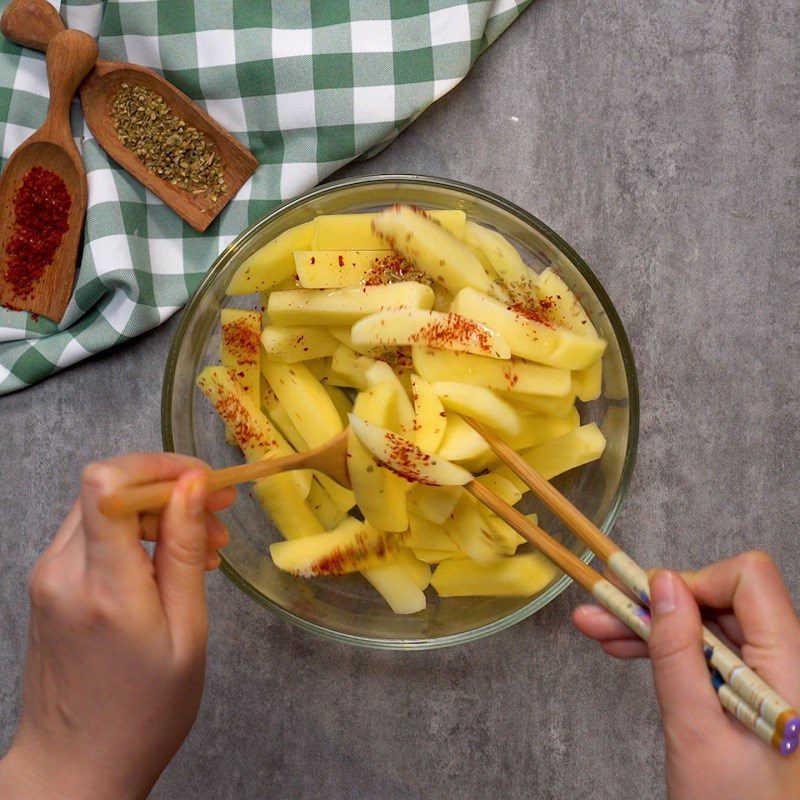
(31, 23)
(155, 496)
(70, 56)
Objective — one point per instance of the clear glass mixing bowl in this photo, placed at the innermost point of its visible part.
(347, 609)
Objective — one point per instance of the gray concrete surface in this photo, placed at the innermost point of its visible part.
(660, 139)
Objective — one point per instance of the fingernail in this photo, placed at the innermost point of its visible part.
(664, 592)
(196, 497)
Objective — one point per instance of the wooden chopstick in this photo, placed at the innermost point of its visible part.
(753, 690)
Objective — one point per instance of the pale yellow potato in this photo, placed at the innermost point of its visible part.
(305, 400)
(539, 404)
(433, 329)
(461, 442)
(514, 376)
(334, 269)
(434, 503)
(273, 263)
(501, 486)
(481, 404)
(426, 535)
(352, 546)
(338, 500)
(337, 307)
(573, 449)
(527, 338)
(420, 571)
(297, 343)
(354, 231)
(431, 249)
(380, 495)
(508, 540)
(404, 458)
(567, 310)
(539, 428)
(318, 367)
(437, 556)
(282, 496)
(504, 258)
(397, 586)
(378, 404)
(380, 372)
(348, 368)
(430, 418)
(587, 383)
(517, 576)
(340, 400)
(323, 507)
(470, 533)
(255, 435)
(240, 351)
(344, 337)
(240, 348)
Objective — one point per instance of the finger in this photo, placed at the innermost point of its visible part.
(180, 561)
(600, 625)
(110, 539)
(680, 674)
(751, 586)
(221, 499)
(212, 560)
(216, 533)
(625, 648)
(65, 533)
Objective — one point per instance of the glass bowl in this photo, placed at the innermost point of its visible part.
(348, 609)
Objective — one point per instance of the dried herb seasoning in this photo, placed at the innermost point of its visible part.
(166, 144)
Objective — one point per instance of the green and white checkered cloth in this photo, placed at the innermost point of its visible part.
(307, 85)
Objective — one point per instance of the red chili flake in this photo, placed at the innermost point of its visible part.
(539, 311)
(405, 459)
(341, 261)
(242, 341)
(454, 330)
(313, 260)
(239, 421)
(41, 218)
(344, 559)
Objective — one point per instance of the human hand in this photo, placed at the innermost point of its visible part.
(116, 647)
(709, 755)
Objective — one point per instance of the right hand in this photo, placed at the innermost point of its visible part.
(710, 755)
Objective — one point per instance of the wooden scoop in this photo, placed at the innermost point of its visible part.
(330, 458)
(70, 56)
(33, 23)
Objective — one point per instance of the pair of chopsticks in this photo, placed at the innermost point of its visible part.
(740, 690)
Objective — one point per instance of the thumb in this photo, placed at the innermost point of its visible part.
(680, 674)
(180, 560)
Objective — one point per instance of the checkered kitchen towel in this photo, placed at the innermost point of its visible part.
(307, 85)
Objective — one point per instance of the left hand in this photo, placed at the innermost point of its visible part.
(116, 650)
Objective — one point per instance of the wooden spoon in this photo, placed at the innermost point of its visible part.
(70, 55)
(330, 458)
(32, 23)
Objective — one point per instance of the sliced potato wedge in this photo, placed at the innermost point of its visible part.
(431, 248)
(518, 576)
(344, 306)
(480, 403)
(527, 336)
(430, 329)
(514, 376)
(297, 343)
(273, 263)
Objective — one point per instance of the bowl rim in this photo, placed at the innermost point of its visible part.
(626, 353)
